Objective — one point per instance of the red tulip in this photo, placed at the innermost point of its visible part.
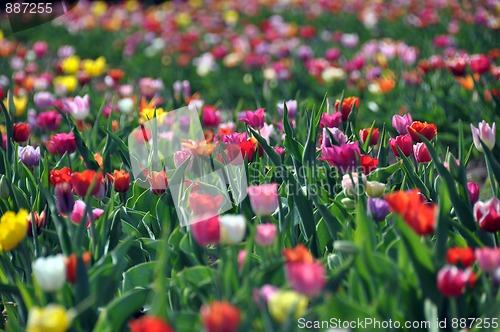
(64, 143)
(420, 216)
(71, 262)
(479, 64)
(248, 149)
(363, 135)
(220, 317)
(347, 106)
(428, 130)
(404, 142)
(202, 204)
(21, 132)
(121, 180)
(367, 163)
(149, 324)
(488, 214)
(463, 256)
(62, 175)
(81, 182)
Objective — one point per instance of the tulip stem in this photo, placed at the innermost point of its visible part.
(492, 178)
(26, 259)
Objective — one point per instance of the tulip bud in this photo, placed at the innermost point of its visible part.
(4, 188)
(375, 189)
(64, 198)
(496, 276)
(400, 123)
(207, 231)
(306, 278)
(242, 256)
(50, 272)
(348, 203)
(265, 234)
(39, 223)
(404, 142)
(21, 132)
(350, 184)
(488, 214)
(264, 294)
(473, 189)
(181, 156)
(232, 229)
(220, 316)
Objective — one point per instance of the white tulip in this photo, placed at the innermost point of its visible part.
(232, 228)
(50, 272)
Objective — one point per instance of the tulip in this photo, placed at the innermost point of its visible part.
(347, 106)
(428, 130)
(232, 229)
(343, 157)
(58, 176)
(29, 155)
(375, 133)
(484, 133)
(207, 231)
(265, 234)
(401, 123)
(125, 105)
(49, 120)
(488, 214)
(331, 121)
(13, 229)
(420, 216)
(50, 272)
(464, 256)
(378, 208)
(350, 184)
(253, 119)
(404, 142)
(264, 198)
(488, 259)
(367, 164)
(457, 66)
(306, 278)
(282, 303)
(247, 149)
(264, 294)
(40, 48)
(334, 133)
(451, 281)
(298, 254)
(375, 189)
(21, 132)
(52, 318)
(65, 200)
(473, 189)
(64, 143)
(82, 181)
(43, 100)
(79, 107)
(291, 106)
(421, 153)
(181, 156)
(121, 180)
(210, 117)
(71, 265)
(39, 222)
(242, 256)
(220, 316)
(496, 276)
(479, 64)
(149, 324)
(204, 204)
(158, 182)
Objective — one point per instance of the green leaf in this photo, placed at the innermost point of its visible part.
(140, 275)
(118, 312)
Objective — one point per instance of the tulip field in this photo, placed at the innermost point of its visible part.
(250, 165)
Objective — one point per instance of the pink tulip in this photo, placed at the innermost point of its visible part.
(404, 142)
(451, 281)
(421, 152)
(488, 259)
(253, 119)
(306, 278)
(343, 157)
(207, 231)
(473, 189)
(79, 107)
(266, 234)
(264, 198)
(242, 256)
(401, 122)
(264, 294)
(330, 121)
(484, 132)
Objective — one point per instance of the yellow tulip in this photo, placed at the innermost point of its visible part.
(52, 318)
(1, 35)
(94, 67)
(149, 113)
(183, 19)
(231, 17)
(20, 104)
(99, 8)
(281, 304)
(131, 5)
(71, 64)
(13, 229)
(69, 82)
(196, 3)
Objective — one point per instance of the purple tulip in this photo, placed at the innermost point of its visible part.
(43, 100)
(378, 208)
(29, 155)
(343, 157)
(291, 105)
(64, 198)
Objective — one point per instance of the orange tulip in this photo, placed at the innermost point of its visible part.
(299, 254)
